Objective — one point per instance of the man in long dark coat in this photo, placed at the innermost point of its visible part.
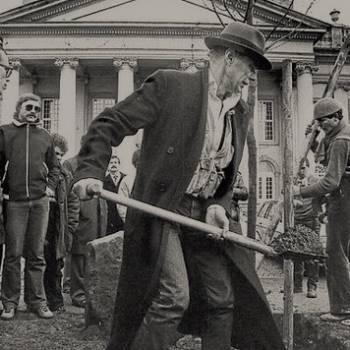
(173, 278)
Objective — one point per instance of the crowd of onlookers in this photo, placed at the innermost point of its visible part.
(42, 219)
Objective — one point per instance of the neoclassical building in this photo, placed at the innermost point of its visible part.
(81, 56)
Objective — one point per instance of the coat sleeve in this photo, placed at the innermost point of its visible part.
(338, 159)
(125, 192)
(140, 109)
(53, 166)
(73, 212)
(2, 155)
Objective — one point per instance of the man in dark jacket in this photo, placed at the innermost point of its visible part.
(30, 169)
(63, 221)
(195, 127)
(92, 224)
(336, 184)
(115, 181)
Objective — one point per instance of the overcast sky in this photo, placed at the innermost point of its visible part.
(320, 9)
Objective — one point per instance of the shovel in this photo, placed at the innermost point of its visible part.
(212, 231)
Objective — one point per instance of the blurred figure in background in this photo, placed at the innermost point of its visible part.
(115, 181)
(92, 225)
(63, 221)
(306, 213)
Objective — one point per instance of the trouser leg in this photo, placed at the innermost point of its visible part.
(213, 271)
(159, 326)
(337, 266)
(16, 226)
(66, 272)
(53, 278)
(77, 290)
(312, 268)
(34, 293)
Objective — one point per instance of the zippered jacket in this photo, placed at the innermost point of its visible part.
(28, 162)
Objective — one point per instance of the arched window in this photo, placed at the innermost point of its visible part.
(266, 181)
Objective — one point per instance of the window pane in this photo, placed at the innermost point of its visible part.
(50, 114)
(267, 118)
(269, 187)
(99, 104)
(260, 194)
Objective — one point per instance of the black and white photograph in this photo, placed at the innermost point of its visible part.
(175, 174)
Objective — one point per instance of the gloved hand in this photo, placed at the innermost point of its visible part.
(50, 192)
(296, 191)
(216, 216)
(297, 203)
(88, 188)
(310, 127)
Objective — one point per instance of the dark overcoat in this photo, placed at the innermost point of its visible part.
(171, 107)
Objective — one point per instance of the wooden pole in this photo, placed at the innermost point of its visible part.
(252, 148)
(287, 132)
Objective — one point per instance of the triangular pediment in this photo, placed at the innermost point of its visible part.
(266, 13)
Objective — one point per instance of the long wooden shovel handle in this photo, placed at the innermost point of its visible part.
(213, 231)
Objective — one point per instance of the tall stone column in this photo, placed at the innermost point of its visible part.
(125, 67)
(305, 103)
(11, 93)
(67, 104)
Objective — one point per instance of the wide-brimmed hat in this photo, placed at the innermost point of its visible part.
(245, 37)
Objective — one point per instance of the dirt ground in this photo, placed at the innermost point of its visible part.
(66, 331)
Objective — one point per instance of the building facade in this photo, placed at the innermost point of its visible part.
(81, 56)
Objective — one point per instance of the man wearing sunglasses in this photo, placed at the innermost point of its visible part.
(29, 171)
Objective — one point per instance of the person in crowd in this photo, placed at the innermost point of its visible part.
(63, 221)
(335, 183)
(5, 68)
(5, 72)
(29, 169)
(92, 225)
(115, 181)
(239, 193)
(306, 212)
(173, 277)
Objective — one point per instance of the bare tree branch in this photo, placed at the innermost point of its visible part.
(293, 32)
(249, 12)
(216, 12)
(281, 20)
(228, 10)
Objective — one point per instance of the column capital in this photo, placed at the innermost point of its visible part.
(124, 62)
(193, 64)
(73, 62)
(15, 62)
(305, 67)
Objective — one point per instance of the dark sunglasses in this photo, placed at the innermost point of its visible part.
(323, 119)
(30, 107)
(8, 70)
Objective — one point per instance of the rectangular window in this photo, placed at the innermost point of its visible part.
(269, 187)
(260, 189)
(99, 104)
(266, 120)
(266, 185)
(50, 108)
